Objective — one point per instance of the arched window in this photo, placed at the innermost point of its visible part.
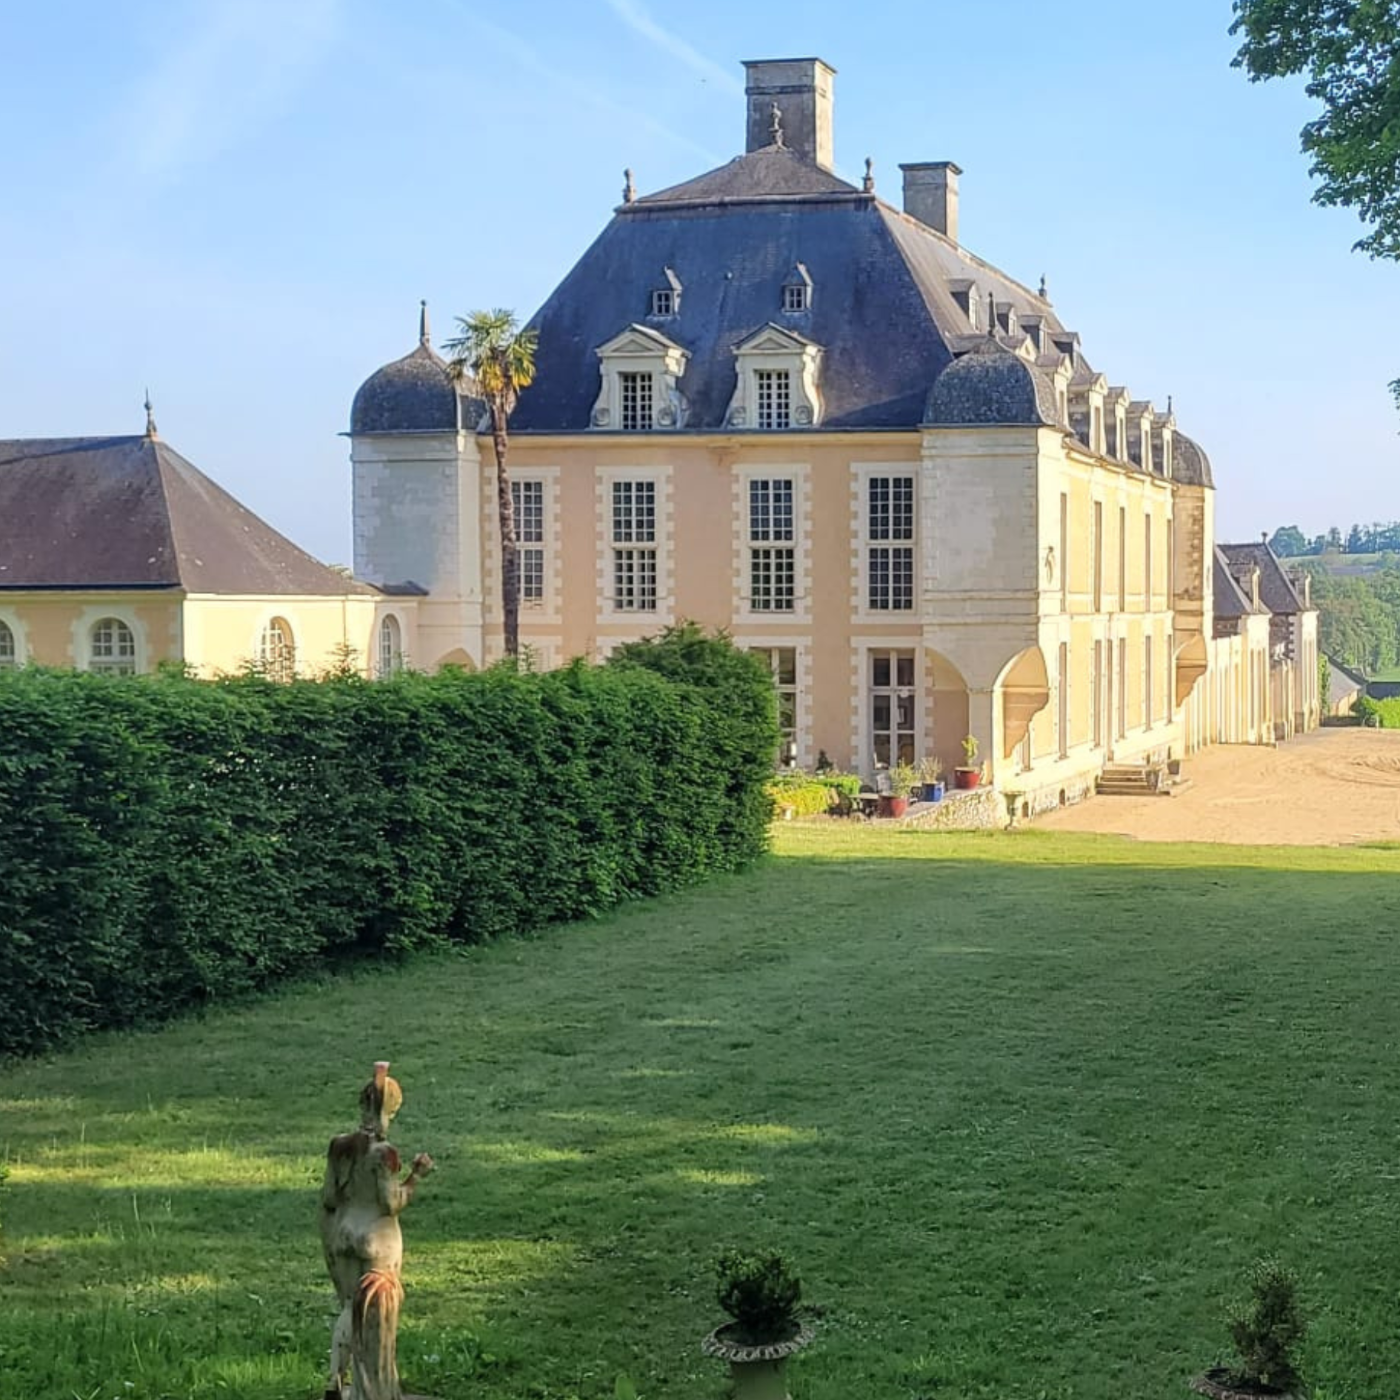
(112, 647)
(390, 646)
(9, 655)
(277, 652)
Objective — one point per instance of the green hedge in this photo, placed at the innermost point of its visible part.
(1378, 714)
(808, 794)
(166, 842)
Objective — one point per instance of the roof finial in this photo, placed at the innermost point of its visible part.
(775, 125)
(1044, 288)
(991, 314)
(1169, 405)
(424, 338)
(150, 418)
(629, 190)
(868, 184)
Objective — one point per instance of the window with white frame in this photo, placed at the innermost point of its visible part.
(634, 390)
(797, 296)
(772, 545)
(772, 398)
(889, 545)
(112, 647)
(892, 707)
(9, 652)
(663, 302)
(277, 653)
(634, 546)
(782, 663)
(527, 496)
(390, 657)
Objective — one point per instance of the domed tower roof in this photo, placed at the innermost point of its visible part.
(990, 385)
(1190, 465)
(411, 395)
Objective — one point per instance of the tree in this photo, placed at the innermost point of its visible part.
(493, 359)
(1288, 542)
(1348, 49)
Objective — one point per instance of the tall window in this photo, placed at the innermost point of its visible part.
(634, 546)
(782, 662)
(390, 658)
(1122, 559)
(1096, 428)
(277, 653)
(773, 398)
(890, 543)
(1096, 691)
(772, 546)
(8, 651)
(892, 707)
(528, 498)
(1147, 682)
(1122, 688)
(1097, 547)
(112, 647)
(1147, 562)
(634, 388)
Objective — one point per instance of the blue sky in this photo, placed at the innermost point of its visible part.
(240, 202)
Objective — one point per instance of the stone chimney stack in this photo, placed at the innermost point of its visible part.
(800, 88)
(931, 194)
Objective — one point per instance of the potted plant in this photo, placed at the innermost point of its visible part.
(760, 1293)
(969, 775)
(1265, 1330)
(904, 778)
(931, 771)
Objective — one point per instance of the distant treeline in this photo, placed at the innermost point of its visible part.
(1289, 542)
(1358, 614)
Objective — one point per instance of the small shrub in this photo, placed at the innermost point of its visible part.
(970, 748)
(761, 1293)
(799, 794)
(904, 778)
(1267, 1329)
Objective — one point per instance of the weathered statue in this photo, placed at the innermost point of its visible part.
(360, 1204)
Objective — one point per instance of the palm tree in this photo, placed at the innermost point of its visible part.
(492, 359)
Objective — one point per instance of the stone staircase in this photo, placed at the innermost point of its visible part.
(1134, 780)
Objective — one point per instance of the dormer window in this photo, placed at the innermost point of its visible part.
(969, 300)
(776, 381)
(634, 400)
(639, 387)
(797, 290)
(666, 298)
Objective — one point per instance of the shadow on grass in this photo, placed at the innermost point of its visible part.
(1021, 1109)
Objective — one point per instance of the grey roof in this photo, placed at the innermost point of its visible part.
(1230, 598)
(130, 512)
(1190, 465)
(990, 385)
(1276, 589)
(773, 172)
(1342, 683)
(410, 395)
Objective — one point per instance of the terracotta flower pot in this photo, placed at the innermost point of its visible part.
(758, 1372)
(1220, 1384)
(966, 778)
(893, 806)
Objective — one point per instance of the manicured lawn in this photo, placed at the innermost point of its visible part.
(1022, 1108)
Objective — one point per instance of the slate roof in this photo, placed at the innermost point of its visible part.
(990, 385)
(130, 512)
(772, 172)
(1342, 684)
(1190, 465)
(1276, 589)
(410, 395)
(1231, 600)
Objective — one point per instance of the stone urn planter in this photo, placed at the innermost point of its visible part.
(1220, 1384)
(758, 1372)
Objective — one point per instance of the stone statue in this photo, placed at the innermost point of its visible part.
(360, 1203)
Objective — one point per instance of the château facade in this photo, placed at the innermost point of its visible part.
(771, 401)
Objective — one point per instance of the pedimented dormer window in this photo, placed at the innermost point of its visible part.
(640, 372)
(777, 375)
(666, 299)
(797, 290)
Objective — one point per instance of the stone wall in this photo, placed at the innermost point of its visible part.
(982, 809)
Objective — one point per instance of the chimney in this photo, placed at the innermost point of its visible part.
(800, 88)
(931, 195)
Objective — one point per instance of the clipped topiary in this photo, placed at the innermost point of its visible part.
(761, 1293)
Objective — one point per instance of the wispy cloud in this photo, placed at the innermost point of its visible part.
(528, 57)
(634, 15)
(229, 73)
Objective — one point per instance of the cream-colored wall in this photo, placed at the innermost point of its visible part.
(53, 628)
